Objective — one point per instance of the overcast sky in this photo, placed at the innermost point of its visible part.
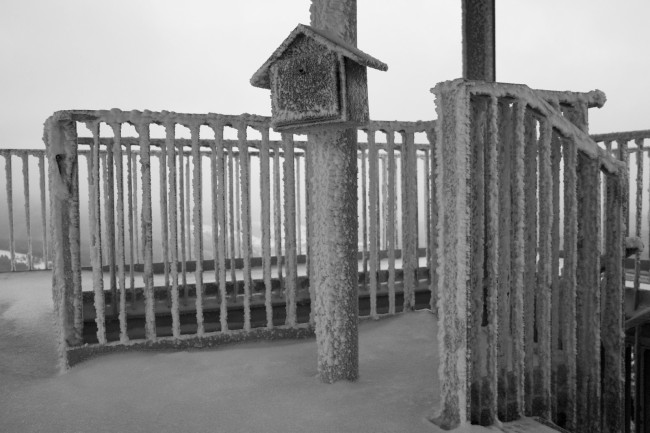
(198, 55)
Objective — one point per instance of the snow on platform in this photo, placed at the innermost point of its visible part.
(252, 387)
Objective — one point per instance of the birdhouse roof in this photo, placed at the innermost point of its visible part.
(331, 42)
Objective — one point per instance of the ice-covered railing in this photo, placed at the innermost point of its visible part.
(30, 258)
(248, 237)
(523, 328)
(631, 147)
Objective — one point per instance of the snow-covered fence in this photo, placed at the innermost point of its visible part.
(143, 199)
(523, 332)
(631, 147)
(31, 258)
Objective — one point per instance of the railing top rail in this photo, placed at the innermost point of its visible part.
(215, 120)
(537, 102)
(18, 152)
(621, 136)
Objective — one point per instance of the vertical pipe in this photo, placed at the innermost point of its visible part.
(170, 144)
(410, 260)
(290, 228)
(265, 194)
(28, 222)
(94, 208)
(119, 184)
(197, 225)
(308, 206)
(624, 156)
(41, 171)
(149, 295)
(479, 40)
(246, 220)
(214, 199)
(372, 218)
(612, 310)
(427, 210)
(390, 234)
(569, 283)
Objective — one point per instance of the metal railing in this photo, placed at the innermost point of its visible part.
(204, 278)
(522, 329)
(32, 258)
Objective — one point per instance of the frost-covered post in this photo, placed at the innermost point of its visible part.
(318, 86)
(61, 141)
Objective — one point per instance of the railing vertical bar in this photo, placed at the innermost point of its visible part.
(246, 220)
(41, 171)
(639, 209)
(372, 219)
(517, 261)
(365, 153)
(188, 204)
(409, 219)
(308, 207)
(75, 239)
(104, 163)
(139, 253)
(277, 217)
(289, 228)
(197, 225)
(215, 204)
(170, 144)
(427, 203)
(530, 248)
(10, 206)
(149, 298)
(556, 384)
(164, 225)
(131, 193)
(384, 202)
(119, 184)
(477, 230)
(181, 211)
(588, 297)
(94, 208)
(28, 222)
(298, 207)
(568, 292)
(490, 321)
(504, 350)
(231, 223)
(221, 217)
(612, 309)
(265, 194)
(237, 221)
(109, 199)
(624, 156)
(433, 223)
(390, 235)
(543, 292)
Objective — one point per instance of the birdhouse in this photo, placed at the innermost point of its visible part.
(316, 80)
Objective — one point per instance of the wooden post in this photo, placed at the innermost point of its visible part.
(333, 193)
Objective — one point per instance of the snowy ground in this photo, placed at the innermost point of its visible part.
(253, 387)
